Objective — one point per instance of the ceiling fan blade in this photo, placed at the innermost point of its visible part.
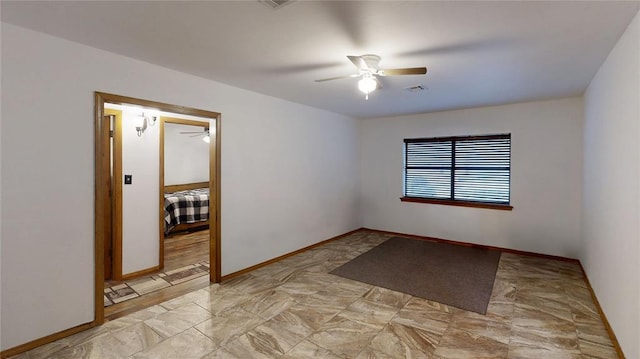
(338, 78)
(406, 71)
(189, 132)
(359, 62)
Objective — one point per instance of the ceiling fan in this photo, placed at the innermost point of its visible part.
(369, 69)
(204, 133)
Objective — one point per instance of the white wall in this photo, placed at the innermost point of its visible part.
(186, 158)
(289, 173)
(141, 159)
(611, 211)
(546, 177)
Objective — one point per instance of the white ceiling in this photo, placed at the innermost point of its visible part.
(477, 53)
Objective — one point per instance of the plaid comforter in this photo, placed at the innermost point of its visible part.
(189, 206)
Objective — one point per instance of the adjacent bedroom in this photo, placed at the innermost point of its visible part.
(156, 154)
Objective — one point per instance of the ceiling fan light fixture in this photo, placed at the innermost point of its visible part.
(367, 85)
(368, 68)
(206, 138)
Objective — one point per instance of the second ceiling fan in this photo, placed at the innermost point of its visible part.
(205, 133)
(368, 68)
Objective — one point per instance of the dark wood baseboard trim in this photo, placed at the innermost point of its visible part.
(482, 246)
(53, 337)
(45, 340)
(140, 273)
(607, 326)
(287, 255)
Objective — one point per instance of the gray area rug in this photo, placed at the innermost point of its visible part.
(451, 274)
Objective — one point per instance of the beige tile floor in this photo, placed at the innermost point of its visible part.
(539, 308)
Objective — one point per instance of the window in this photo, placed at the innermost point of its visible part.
(469, 171)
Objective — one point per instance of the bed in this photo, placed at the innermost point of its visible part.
(185, 209)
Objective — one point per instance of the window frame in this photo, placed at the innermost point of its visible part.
(451, 201)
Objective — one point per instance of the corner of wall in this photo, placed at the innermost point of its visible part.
(610, 228)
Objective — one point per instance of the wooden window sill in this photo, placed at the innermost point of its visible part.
(503, 207)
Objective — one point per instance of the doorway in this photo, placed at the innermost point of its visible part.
(110, 184)
(185, 181)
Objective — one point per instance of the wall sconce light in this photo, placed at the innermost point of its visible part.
(141, 124)
(143, 121)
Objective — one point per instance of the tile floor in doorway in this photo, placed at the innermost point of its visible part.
(130, 289)
(540, 308)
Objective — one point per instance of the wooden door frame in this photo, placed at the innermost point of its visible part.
(102, 174)
(212, 152)
(115, 201)
(105, 137)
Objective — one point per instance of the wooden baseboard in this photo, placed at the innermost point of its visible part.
(482, 246)
(45, 340)
(53, 337)
(287, 255)
(607, 326)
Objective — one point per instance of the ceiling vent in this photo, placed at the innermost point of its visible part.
(275, 4)
(416, 88)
